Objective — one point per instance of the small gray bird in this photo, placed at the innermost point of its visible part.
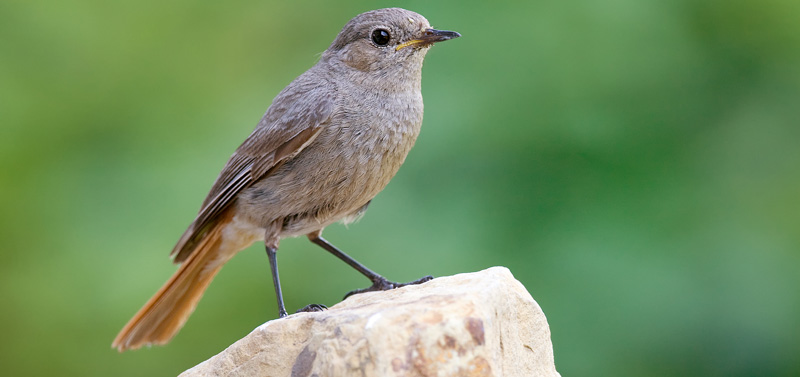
(329, 142)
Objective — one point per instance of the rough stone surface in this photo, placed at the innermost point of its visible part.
(475, 324)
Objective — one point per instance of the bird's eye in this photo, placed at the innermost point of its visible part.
(381, 37)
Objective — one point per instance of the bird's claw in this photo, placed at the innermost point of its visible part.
(384, 285)
(312, 308)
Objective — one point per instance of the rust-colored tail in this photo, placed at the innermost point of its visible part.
(166, 312)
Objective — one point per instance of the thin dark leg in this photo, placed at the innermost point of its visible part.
(272, 254)
(379, 283)
(371, 275)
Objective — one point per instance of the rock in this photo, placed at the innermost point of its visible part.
(475, 324)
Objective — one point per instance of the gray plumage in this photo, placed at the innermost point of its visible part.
(330, 142)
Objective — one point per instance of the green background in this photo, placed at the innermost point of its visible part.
(636, 164)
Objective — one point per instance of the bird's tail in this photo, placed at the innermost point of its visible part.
(166, 312)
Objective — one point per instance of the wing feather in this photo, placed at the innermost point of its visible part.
(292, 122)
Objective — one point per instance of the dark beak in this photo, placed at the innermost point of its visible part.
(433, 35)
(429, 37)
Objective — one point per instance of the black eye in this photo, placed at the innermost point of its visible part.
(381, 37)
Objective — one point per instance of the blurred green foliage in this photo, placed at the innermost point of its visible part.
(636, 164)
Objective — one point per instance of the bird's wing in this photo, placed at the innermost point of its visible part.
(291, 123)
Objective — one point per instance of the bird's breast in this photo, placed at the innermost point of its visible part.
(351, 160)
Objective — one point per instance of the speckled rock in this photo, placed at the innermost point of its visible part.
(474, 324)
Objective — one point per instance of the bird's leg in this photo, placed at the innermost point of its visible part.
(272, 254)
(379, 283)
(271, 243)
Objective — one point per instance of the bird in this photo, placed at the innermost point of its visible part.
(326, 146)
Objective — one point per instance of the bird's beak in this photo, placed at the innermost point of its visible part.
(429, 37)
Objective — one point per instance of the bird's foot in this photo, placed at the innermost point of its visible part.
(384, 285)
(311, 308)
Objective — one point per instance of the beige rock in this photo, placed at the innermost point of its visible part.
(475, 324)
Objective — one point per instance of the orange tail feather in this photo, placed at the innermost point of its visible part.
(167, 311)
